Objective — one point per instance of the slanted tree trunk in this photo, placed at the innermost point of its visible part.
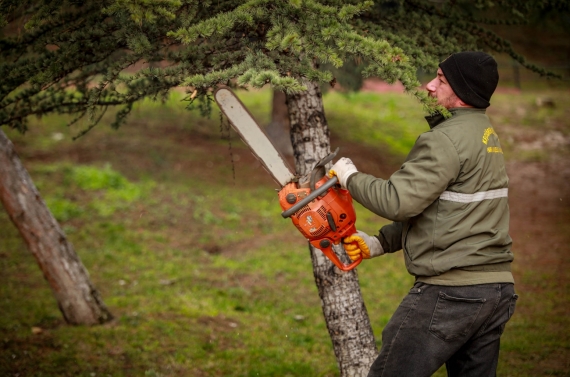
(77, 298)
(343, 307)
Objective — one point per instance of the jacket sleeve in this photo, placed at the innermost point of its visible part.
(390, 237)
(431, 166)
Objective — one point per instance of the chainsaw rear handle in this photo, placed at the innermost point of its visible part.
(325, 245)
(309, 198)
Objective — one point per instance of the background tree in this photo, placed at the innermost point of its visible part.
(78, 300)
(70, 57)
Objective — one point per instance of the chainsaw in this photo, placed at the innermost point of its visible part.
(323, 211)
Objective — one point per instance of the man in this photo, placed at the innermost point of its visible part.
(450, 210)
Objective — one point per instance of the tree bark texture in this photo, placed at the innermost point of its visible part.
(78, 300)
(341, 299)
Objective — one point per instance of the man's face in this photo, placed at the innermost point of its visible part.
(440, 89)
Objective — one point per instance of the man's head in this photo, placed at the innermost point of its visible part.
(465, 79)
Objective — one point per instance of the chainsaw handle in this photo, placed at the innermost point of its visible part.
(347, 267)
(309, 198)
(329, 253)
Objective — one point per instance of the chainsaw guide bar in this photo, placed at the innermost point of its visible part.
(253, 136)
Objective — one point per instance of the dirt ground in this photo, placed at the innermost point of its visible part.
(539, 198)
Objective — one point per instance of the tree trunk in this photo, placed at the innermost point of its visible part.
(343, 307)
(77, 298)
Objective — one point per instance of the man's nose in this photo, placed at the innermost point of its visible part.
(431, 85)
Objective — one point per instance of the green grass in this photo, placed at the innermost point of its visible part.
(229, 312)
(202, 274)
(388, 119)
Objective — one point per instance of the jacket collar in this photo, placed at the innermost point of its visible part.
(438, 118)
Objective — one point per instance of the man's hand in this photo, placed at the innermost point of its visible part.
(343, 169)
(361, 243)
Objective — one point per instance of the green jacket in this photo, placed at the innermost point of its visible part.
(448, 202)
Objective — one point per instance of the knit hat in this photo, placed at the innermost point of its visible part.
(473, 76)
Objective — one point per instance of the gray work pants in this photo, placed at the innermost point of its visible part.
(435, 324)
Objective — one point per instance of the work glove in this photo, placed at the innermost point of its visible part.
(361, 243)
(343, 169)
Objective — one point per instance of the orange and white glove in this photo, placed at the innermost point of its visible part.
(361, 243)
(343, 169)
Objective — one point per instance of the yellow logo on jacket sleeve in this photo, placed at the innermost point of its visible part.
(486, 135)
(488, 132)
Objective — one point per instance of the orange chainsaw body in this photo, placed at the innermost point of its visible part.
(324, 221)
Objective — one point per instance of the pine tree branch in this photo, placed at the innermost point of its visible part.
(253, 42)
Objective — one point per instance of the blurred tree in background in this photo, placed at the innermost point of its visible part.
(82, 57)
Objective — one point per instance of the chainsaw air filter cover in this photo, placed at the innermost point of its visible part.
(330, 216)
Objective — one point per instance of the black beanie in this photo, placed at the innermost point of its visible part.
(473, 76)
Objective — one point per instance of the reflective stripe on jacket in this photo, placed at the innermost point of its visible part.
(448, 200)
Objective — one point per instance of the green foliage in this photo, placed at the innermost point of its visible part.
(145, 10)
(94, 47)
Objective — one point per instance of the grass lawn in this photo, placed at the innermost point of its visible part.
(204, 277)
